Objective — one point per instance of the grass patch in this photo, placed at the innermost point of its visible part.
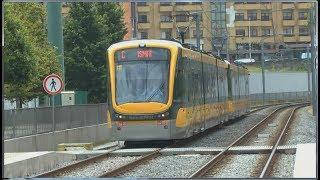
(277, 67)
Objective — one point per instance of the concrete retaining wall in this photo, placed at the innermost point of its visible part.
(48, 141)
(19, 165)
(279, 82)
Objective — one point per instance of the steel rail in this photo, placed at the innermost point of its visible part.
(132, 164)
(266, 168)
(258, 108)
(77, 164)
(147, 157)
(206, 167)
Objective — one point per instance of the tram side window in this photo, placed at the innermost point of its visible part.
(247, 86)
(180, 92)
(208, 84)
(199, 83)
(230, 84)
(241, 85)
(213, 86)
(222, 84)
(236, 88)
(189, 80)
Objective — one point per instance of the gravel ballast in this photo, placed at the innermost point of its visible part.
(303, 128)
(223, 136)
(284, 166)
(237, 166)
(178, 166)
(270, 132)
(99, 167)
(60, 165)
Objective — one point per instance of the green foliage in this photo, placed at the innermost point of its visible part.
(90, 28)
(28, 57)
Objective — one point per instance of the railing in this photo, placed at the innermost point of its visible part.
(270, 98)
(24, 122)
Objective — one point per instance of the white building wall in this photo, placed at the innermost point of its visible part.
(12, 105)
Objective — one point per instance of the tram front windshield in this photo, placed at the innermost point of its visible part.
(142, 75)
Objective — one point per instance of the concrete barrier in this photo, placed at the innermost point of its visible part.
(17, 165)
(95, 134)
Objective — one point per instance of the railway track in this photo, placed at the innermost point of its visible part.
(267, 167)
(208, 167)
(78, 164)
(115, 171)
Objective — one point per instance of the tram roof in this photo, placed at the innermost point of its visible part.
(144, 41)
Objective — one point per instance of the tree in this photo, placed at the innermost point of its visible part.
(90, 28)
(28, 57)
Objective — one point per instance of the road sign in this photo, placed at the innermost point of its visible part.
(52, 84)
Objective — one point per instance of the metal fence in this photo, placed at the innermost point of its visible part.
(270, 98)
(23, 122)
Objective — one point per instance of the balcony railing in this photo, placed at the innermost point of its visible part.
(166, 25)
(146, 25)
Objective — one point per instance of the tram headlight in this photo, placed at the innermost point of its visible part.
(163, 115)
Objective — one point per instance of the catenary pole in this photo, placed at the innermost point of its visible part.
(198, 30)
(55, 32)
(312, 26)
(263, 77)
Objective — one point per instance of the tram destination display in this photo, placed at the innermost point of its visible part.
(135, 54)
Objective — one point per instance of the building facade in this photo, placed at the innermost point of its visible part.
(164, 20)
(279, 29)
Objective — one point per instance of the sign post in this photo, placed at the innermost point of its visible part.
(53, 85)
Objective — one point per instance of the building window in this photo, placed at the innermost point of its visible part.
(266, 46)
(243, 46)
(182, 18)
(142, 18)
(195, 33)
(303, 31)
(165, 4)
(143, 35)
(287, 15)
(265, 16)
(288, 31)
(253, 32)
(303, 15)
(240, 32)
(266, 32)
(196, 3)
(182, 3)
(166, 34)
(194, 17)
(255, 46)
(252, 15)
(239, 16)
(141, 4)
(166, 18)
